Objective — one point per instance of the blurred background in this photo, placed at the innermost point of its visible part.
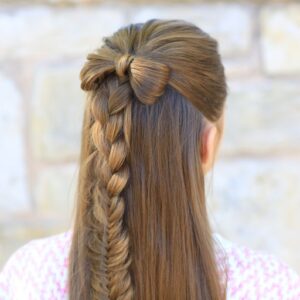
(253, 193)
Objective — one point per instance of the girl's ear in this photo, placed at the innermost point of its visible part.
(209, 144)
(211, 138)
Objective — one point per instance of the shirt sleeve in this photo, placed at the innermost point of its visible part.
(258, 275)
(288, 280)
(11, 275)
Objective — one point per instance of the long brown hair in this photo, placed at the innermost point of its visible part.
(141, 229)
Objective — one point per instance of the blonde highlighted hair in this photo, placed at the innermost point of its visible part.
(141, 229)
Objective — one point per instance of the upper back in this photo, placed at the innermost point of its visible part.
(38, 270)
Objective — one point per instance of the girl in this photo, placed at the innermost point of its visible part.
(153, 122)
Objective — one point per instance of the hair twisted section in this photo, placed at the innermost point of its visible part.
(108, 249)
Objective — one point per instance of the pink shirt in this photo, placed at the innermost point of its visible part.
(38, 270)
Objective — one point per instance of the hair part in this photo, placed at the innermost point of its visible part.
(141, 229)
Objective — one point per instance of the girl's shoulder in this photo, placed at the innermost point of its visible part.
(37, 270)
(256, 274)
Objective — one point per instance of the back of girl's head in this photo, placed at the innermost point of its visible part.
(141, 229)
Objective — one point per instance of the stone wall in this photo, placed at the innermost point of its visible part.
(254, 190)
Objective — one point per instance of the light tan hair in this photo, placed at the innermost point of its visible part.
(141, 229)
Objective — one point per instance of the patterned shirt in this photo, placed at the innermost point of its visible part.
(38, 270)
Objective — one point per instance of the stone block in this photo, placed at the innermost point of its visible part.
(230, 24)
(242, 67)
(262, 118)
(255, 202)
(14, 194)
(45, 32)
(280, 39)
(54, 191)
(56, 113)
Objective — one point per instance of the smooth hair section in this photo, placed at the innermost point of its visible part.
(141, 229)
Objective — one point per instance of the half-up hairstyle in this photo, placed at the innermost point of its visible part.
(141, 229)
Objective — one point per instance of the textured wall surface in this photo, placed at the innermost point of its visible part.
(253, 192)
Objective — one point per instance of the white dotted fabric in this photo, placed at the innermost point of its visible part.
(38, 270)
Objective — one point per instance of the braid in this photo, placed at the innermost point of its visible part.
(111, 136)
(107, 244)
